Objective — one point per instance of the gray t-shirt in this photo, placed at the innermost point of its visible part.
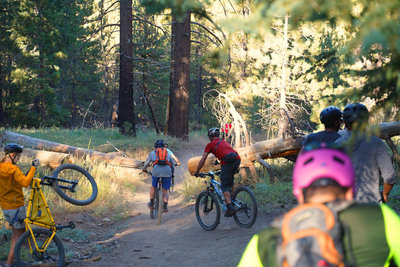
(371, 160)
(159, 170)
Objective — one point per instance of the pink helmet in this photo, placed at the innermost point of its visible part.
(322, 163)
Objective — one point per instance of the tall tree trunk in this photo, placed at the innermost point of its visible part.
(199, 89)
(126, 112)
(284, 120)
(178, 122)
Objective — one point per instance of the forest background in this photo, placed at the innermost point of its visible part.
(256, 64)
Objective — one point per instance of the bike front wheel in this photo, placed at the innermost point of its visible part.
(27, 254)
(208, 211)
(246, 205)
(85, 190)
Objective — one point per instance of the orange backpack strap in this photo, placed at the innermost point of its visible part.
(161, 155)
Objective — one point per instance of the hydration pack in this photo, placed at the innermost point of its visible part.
(162, 157)
(311, 235)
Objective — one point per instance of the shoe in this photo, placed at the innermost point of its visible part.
(230, 210)
(150, 206)
(165, 208)
(6, 265)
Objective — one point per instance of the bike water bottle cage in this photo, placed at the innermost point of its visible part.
(162, 157)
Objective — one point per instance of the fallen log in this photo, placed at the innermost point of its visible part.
(265, 149)
(280, 147)
(78, 152)
(47, 158)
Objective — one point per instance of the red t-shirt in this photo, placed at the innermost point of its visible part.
(223, 149)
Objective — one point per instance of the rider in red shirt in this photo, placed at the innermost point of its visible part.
(230, 161)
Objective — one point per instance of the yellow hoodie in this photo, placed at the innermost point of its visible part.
(11, 182)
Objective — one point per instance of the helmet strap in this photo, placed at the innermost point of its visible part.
(12, 158)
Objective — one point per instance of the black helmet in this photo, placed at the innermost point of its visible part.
(355, 112)
(213, 132)
(159, 143)
(330, 114)
(12, 148)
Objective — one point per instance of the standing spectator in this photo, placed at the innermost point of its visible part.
(331, 117)
(370, 157)
(12, 199)
(226, 131)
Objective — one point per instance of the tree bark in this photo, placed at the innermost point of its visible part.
(51, 159)
(78, 152)
(126, 112)
(178, 123)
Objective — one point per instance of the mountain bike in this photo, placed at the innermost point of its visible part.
(209, 203)
(41, 246)
(156, 212)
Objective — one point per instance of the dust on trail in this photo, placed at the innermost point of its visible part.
(179, 240)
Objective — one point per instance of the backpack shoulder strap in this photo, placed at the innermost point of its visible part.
(215, 149)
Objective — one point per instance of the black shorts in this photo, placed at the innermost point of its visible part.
(227, 172)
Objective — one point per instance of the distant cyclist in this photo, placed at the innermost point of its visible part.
(331, 117)
(370, 157)
(359, 234)
(162, 169)
(12, 199)
(230, 162)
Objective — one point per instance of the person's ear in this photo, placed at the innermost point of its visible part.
(300, 197)
(349, 194)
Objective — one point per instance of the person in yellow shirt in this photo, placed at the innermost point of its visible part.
(12, 199)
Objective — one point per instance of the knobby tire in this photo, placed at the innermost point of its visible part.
(208, 211)
(86, 189)
(54, 255)
(247, 213)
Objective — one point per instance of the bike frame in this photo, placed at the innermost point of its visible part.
(218, 190)
(36, 186)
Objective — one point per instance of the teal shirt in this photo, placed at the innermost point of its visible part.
(371, 238)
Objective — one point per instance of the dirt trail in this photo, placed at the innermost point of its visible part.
(179, 240)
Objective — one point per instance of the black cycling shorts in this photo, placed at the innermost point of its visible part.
(227, 172)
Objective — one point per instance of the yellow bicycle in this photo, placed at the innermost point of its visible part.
(41, 246)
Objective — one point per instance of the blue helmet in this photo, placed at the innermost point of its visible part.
(330, 114)
(159, 143)
(12, 148)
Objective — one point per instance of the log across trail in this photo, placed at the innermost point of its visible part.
(78, 152)
(283, 147)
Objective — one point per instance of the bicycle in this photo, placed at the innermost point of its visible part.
(156, 212)
(209, 202)
(42, 246)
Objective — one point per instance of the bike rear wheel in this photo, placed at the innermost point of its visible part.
(54, 255)
(85, 191)
(159, 205)
(208, 211)
(245, 202)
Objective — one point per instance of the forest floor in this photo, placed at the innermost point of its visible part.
(178, 241)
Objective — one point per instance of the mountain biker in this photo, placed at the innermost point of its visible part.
(161, 170)
(11, 195)
(370, 157)
(331, 117)
(230, 162)
(370, 232)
